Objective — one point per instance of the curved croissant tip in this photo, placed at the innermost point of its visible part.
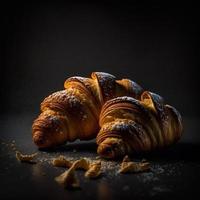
(105, 151)
(112, 148)
(39, 139)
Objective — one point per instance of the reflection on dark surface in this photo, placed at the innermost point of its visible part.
(38, 172)
(169, 169)
(104, 191)
(173, 170)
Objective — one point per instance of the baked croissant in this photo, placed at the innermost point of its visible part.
(73, 113)
(129, 125)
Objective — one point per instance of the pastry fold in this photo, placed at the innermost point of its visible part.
(73, 113)
(129, 125)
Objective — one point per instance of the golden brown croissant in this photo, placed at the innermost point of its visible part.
(73, 113)
(129, 125)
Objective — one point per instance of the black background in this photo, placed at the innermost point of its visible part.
(152, 43)
(155, 44)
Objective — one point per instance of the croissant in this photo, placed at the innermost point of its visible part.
(73, 113)
(131, 126)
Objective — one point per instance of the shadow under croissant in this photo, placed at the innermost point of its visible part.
(174, 153)
(89, 146)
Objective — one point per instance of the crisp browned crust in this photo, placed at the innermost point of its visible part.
(131, 119)
(73, 113)
(140, 125)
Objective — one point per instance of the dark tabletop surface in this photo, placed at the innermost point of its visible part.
(174, 173)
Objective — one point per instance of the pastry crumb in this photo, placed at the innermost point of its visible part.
(128, 166)
(68, 179)
(61, 161)
(81, 164)
(94, 170)
(25, 157)
(126, 159)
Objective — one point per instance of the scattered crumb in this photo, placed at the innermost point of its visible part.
(68, 179)
(128, 166)
(94, 170)
(93, 167)
(126, 159)
(81, 164)
(61, 161)
(25, 157)
(134, 167)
